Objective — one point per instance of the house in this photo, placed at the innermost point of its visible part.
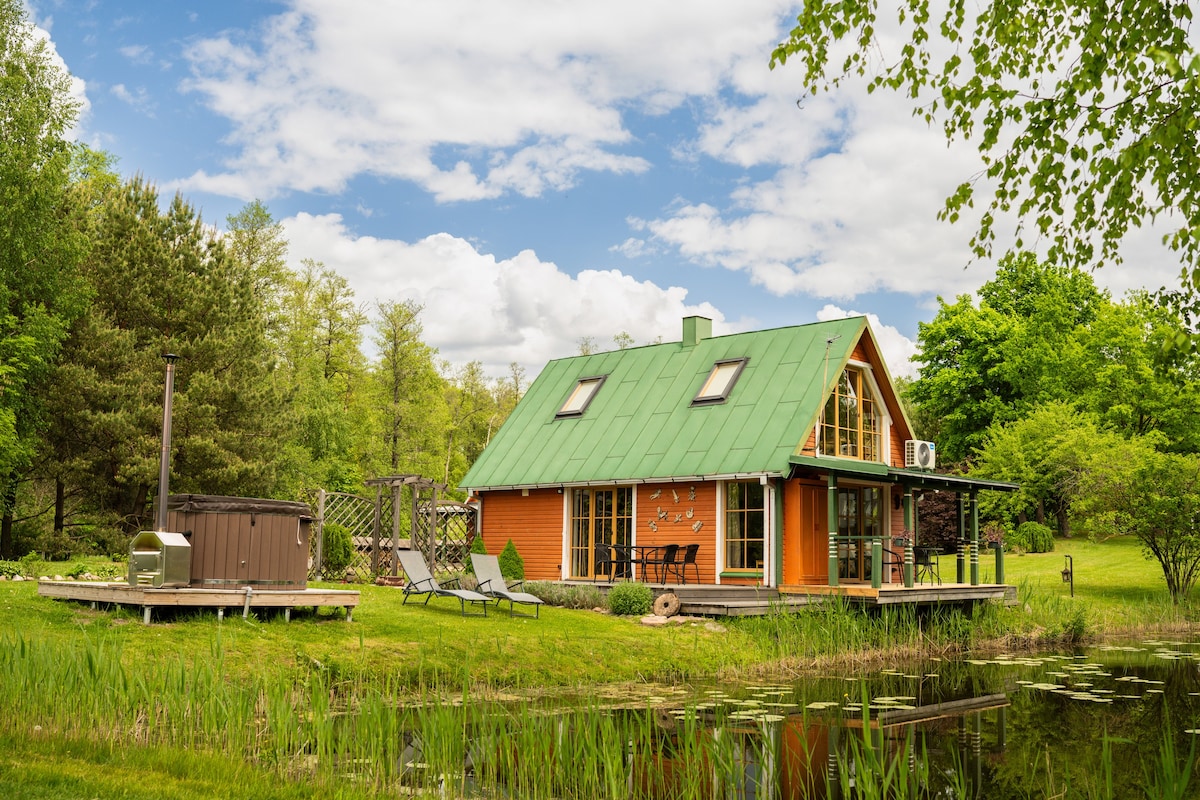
(784, 454)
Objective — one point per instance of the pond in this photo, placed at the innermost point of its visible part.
(1108, 722)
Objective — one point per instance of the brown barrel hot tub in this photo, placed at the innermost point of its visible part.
(243, 541)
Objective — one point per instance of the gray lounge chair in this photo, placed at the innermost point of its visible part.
(492, 583)
(421, 581)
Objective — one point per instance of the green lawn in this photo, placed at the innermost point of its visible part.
(1116, 589)
(1115, 584)
(391, 650)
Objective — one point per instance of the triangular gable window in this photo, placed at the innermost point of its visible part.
(720, 382)
(577, 402)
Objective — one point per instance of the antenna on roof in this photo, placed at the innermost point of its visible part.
(825, 377)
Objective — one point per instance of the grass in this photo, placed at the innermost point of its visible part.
(230, 681)
(1117, 591)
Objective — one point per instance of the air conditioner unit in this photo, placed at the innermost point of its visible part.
(919, 454)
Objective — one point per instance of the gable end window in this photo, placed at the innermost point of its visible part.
(579, 398)
(852, 423)
(720, 382)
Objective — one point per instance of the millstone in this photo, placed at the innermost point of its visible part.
(666, 604)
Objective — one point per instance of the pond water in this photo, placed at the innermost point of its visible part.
(1087, 724)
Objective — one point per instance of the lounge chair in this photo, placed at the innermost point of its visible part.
(421, 581)
(492, 584)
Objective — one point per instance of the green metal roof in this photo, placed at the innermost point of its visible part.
(641, 425)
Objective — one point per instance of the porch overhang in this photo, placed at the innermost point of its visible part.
(910, 478)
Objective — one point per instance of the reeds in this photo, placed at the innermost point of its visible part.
(332, 728)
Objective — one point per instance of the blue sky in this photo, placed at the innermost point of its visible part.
(539, 171)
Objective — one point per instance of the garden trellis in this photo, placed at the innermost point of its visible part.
(406, 513)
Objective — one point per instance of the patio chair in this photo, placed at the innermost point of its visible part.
(421, 581)
(926, 560)
(659, 558)
(606, 562)
(683, 559)
(492, 584)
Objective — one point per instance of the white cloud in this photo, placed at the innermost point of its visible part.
(469, 100)
(137, 53)
(138, 99)
(519, 309)
(897, 349)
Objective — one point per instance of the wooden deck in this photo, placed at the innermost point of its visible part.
(734, 601)
(245, 599)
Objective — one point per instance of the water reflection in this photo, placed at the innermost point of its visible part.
(1007, 726)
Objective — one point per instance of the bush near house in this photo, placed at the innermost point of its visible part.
(630, 599)
(512, 566)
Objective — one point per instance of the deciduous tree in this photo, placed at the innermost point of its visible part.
(1084, 113)
(40, 242)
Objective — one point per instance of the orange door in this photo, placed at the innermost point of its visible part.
(805, 534)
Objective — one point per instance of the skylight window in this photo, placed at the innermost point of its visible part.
(577, 402)
(720, 382)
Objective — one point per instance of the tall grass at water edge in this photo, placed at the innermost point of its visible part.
(836, 629)
(364, 736)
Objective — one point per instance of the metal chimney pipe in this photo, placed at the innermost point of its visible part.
(164, 460)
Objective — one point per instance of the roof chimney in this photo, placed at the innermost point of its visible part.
(695, 330)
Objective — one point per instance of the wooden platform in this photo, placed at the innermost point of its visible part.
(244, 599)
(735, 601)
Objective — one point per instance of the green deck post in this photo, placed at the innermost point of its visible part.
(974, 538)
(961, 556)
(876, 562)
(912, 537)
(999, 548)
(833, 530)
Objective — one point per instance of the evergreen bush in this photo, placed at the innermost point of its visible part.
(477, 546)
(630, 599)
(338, 550)
(512, 566)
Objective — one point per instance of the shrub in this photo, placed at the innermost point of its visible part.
(566, 595)
(10, 569)
(512, 566)
(32, 565)
(338, 549)
(1033, 537)
(477, 546)
(629, 599)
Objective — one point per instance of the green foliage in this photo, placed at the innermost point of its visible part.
(32, 565)
(10, 569)
(1154, 497)
(41, 242)
(1081, 111)
(1031, 537)
(630, 598)
(337, 549)
(566, 595)
(512, 566)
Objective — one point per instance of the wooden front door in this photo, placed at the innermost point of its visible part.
(805, 534)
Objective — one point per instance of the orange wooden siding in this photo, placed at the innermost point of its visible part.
(534, 523)
(675, 501)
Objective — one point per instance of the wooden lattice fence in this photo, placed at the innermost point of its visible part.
(394, 519)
